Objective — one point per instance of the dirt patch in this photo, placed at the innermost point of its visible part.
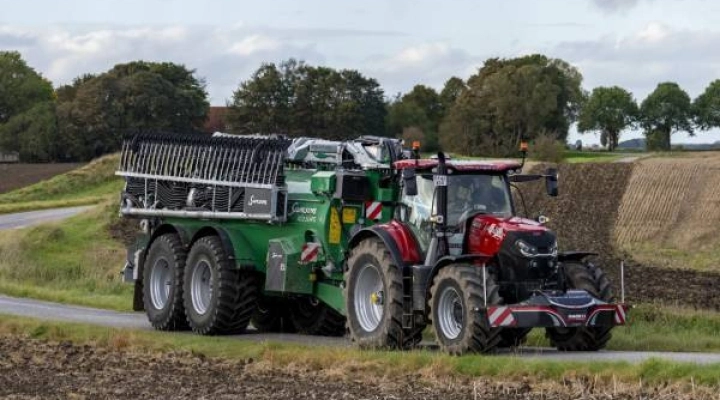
(584, 216)
(35, 369)
(15, 176)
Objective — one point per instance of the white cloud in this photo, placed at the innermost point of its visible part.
(254, 44)
(612, 6)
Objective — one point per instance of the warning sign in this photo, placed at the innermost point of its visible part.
(335, 228)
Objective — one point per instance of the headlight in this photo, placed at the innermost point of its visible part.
(554, 249)
(526, 249)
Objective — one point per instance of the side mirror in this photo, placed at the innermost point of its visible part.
(551, 182)
(410, 181)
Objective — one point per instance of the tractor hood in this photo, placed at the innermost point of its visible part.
(487, 233)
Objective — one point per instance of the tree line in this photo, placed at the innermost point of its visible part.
(506, 100)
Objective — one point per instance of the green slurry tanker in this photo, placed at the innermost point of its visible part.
(360, 236)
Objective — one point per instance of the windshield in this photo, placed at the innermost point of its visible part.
(467, 194)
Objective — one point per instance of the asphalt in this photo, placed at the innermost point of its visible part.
(44, 310)
(24, 219)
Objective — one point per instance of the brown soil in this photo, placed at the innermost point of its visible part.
(15, 176)
(35, 369)
(584, 216)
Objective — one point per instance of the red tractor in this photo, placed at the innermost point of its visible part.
(456, 256)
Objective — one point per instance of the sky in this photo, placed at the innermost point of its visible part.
(635, 44)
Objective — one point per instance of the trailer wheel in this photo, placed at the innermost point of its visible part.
(272, 315)
(219, 299)
(456, 297)
(374, 299)
(162, 283)
(587, 277)
(310, 316)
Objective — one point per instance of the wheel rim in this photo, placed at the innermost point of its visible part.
(369, 298)
(201, 287)
(450, 313)
(161, 279)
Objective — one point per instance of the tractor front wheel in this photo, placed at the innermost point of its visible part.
(456, 298)
(592, 279)
(219, 299)
(374, 299)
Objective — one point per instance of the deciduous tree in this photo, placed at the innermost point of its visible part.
(608, 110)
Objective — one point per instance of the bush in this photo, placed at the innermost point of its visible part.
(547, 148)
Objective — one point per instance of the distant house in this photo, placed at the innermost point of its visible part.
(216, 120)
(9, 157)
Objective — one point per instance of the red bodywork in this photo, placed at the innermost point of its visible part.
(486, 232)
(406, 243)
(461, 165)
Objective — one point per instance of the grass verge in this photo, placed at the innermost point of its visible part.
(90, 184)
(352, 362)
(73, 261)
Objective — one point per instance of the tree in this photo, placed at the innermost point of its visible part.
(512, 99)
(706, 107)
(301, 100)
(21, 88)
(608, 110)
(421, 110)
(96, 111)
(453, 88)
(32, 133)
(666, 111)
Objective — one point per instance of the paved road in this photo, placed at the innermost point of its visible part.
(21, 220)
(59, 312)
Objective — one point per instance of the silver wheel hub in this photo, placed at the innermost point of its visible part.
(369, 298)
(201, 286)
(161, 278)
(450, 313)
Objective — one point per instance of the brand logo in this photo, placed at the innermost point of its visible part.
(297, 208)
(495, 231)
(253, 201)
(276, 255)
(577, 316)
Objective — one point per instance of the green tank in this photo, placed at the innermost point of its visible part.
(250, 228)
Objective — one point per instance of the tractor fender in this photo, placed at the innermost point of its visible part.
(574, 256)
(398, 239)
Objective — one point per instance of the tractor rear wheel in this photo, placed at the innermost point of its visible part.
(219, 299)
(456, 297)
(374, 299)
(592, 279)
(313, 317)
(162, 283)
(273, 315)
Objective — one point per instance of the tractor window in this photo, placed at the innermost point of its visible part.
(468, 194)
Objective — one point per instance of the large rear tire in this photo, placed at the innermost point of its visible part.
(273, 315)
(310, 316)
(374, 299)
(456, 297)
(219, 299)
(587, 277)
(162, 288)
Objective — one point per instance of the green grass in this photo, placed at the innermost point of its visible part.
(72, 261)
(368, 364)
(654, 328)
(573, 157)
(705, 258)
(90, 184)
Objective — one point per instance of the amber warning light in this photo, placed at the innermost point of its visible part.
(416, 145)
(523, 146)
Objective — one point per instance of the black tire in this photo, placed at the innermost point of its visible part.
(232, 296)
(513, 337)
(465, 330)
(388, 332)
(272, 315)
(313, 317)
(165, 262)
(587, 277)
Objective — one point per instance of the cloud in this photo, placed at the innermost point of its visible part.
(653, 54)
(614, 6)
(223, 56)
(430, 63)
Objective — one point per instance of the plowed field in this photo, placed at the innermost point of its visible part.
(14, 176)
(34, 369)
